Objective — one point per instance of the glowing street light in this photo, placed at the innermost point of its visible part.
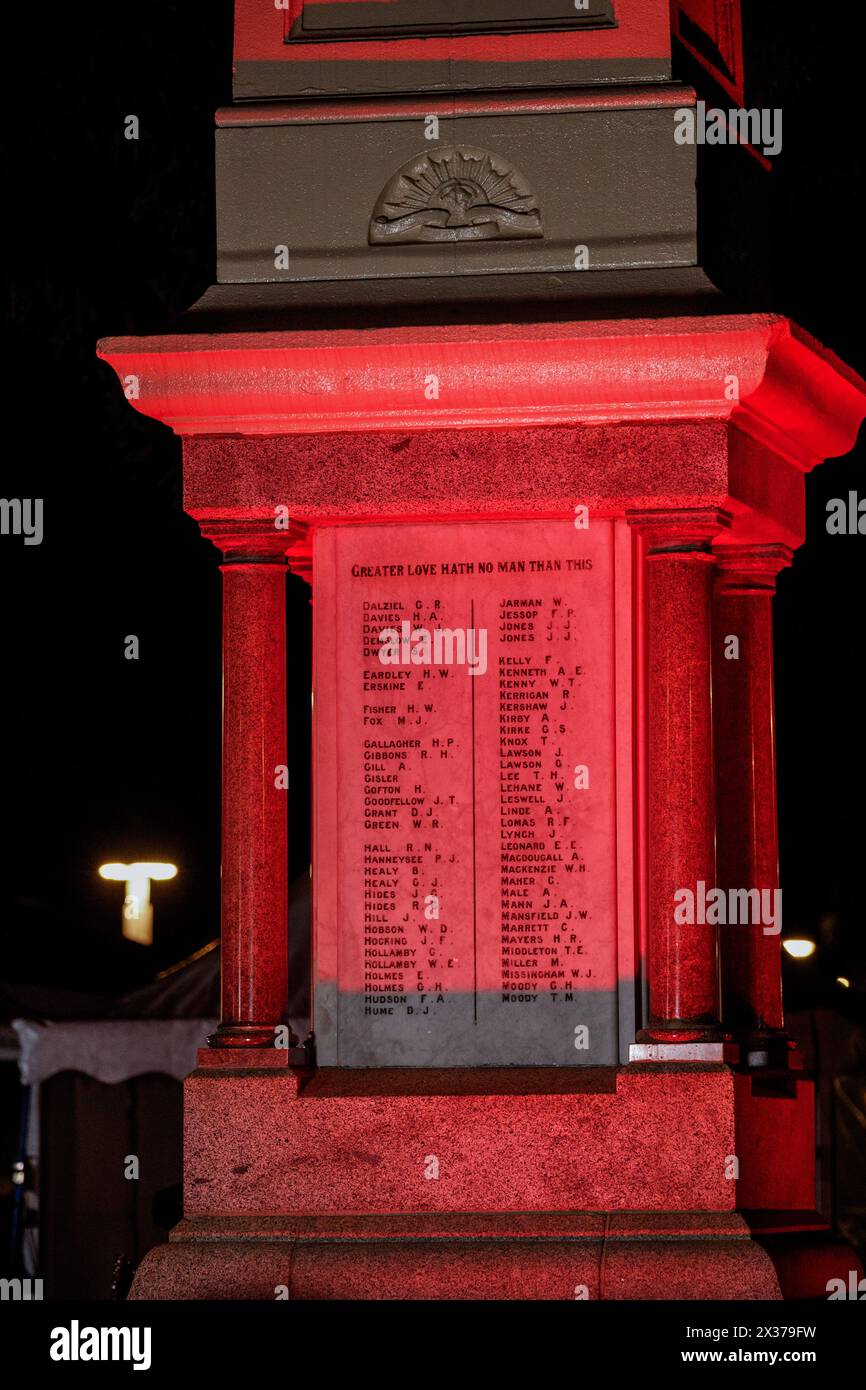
(800, 947)
(137, 914)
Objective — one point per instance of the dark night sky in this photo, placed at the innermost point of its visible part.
(105, 758)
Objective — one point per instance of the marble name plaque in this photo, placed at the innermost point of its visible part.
(472, 793)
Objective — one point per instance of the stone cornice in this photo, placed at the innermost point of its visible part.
(760, 372)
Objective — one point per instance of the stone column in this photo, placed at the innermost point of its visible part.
(683, 957)
(747, 846)
(254, 797)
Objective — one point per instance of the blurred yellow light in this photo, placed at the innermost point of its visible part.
(841, 980)
(800, 947)
(141, 868)
(137, 913)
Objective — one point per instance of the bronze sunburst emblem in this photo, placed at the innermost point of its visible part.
(455, 194)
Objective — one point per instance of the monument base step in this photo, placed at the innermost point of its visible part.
(261, 1139)
(431, 1256)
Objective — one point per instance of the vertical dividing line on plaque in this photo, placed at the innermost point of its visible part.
(474, 910)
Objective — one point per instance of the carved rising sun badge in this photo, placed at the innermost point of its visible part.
(455, 194)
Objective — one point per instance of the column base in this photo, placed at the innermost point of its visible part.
(683, 1030)
(263, 1035)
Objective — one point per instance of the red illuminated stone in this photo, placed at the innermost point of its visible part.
(530, 1078)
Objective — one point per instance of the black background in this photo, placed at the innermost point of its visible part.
(104, 758)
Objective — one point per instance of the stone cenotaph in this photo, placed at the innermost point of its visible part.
(462, 373)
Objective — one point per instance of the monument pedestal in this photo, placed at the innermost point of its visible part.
(485, 1183)
(275, 1141)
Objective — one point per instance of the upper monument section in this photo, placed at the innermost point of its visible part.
(330, 48)
(405, 140)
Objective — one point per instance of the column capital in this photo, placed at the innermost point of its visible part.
(750, 569)
(258, 542)
(680, 530)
